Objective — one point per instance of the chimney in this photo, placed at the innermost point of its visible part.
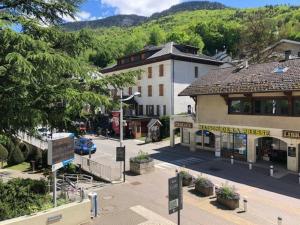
(287, 54)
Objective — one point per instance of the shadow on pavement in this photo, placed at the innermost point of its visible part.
(257, 177)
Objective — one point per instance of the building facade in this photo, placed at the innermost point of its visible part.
(250, 113)
(166, 71)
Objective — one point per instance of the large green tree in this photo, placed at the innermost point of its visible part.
(44, 78)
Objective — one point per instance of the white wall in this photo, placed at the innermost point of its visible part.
(154, 81)
(184, 75)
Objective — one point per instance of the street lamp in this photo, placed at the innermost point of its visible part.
(121, 112)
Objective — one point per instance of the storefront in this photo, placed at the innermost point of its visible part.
(243, 143)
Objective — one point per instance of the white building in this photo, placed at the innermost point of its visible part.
(167, 70)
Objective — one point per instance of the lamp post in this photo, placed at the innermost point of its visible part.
(121, 112)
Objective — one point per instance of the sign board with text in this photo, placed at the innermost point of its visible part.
(291, 134)
(175, 194)
(183, 124)
(60, 152)
(120, 154)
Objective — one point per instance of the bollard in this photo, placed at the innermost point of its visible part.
(245, 204)
(250, 165)
(231, 160)
(271, 170)
(279, 220)
(299, 178)
(94, 204)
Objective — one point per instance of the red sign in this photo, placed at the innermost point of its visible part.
(116, 122)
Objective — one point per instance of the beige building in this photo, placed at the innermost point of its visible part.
(250, 112)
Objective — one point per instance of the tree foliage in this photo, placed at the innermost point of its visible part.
(45, 77)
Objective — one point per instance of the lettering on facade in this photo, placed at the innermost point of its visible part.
(183, 124)
(247, 131)
(291, 134)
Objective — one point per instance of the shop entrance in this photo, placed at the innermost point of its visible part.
(205, 139)
(271, 149)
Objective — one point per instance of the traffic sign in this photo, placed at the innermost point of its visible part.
(175, 194)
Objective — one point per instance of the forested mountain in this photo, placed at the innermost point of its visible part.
(117, 21)
(240, 31)
(189, 6)
(133, 20)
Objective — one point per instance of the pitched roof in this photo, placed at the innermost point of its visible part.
(170, 50)
(256, 78)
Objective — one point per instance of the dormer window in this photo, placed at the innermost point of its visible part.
(280, 69)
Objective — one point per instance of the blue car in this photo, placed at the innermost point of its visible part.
(84, 146)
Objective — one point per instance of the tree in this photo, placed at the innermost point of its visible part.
(44, 77)
(3, 154)
(15, 157)
(258, 33)
(157, 36)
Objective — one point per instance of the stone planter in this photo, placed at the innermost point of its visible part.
(229, 203)
(206, 191)
(141, 168)
(187, 181)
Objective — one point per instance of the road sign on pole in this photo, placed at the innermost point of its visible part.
(175, 195)
(120, 157)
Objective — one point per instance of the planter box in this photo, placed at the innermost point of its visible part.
(187, 181)
(206, 191)
(229, 203)
(142, 168)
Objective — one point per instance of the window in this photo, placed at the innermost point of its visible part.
(240, 106)
(165, 110)
(149, 72)
(296, 107)
(150, 110)
(140, 90)
(149, 90)
(161, 90)
(161, 70)
(271, 106)
(196, 72)
(130, 90)
(298, 54)
(234, 144)
(158, 110)
(141, 110)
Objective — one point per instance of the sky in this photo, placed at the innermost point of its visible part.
(98, 9)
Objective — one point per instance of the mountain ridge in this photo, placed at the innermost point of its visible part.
(134, 20)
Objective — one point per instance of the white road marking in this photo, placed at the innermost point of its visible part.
(152, 217)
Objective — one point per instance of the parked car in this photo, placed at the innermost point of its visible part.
(84, 146)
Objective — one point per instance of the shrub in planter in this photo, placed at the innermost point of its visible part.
(204, 186)
(227, 196)
(187, 179)
(142, 163)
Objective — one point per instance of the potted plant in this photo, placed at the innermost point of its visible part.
(187, 179)
(142, 163)
(204, 186)
(227, 196)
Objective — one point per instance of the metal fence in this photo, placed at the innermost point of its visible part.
(108, 173)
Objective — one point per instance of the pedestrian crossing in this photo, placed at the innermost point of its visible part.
(179, 162)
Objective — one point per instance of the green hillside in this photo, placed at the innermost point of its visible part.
(207, 29)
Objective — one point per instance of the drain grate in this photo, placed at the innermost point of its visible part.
(135, 183)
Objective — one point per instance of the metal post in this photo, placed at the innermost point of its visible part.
(231, 160)
(54, 188)
(250, 165)
(245, 204)
(124, 168)
(121, 117)
(279, 220)
(179, 199)
(271, 170)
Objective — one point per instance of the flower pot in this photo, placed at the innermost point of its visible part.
(187, 181)
(206, 191)
(229, 203)
(141, 167)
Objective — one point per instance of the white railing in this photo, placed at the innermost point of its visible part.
(41, 144)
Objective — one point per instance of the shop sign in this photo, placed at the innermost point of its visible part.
(183, 124)
(291, 134)
(236, 130)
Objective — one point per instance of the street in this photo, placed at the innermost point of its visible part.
(143, 199)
